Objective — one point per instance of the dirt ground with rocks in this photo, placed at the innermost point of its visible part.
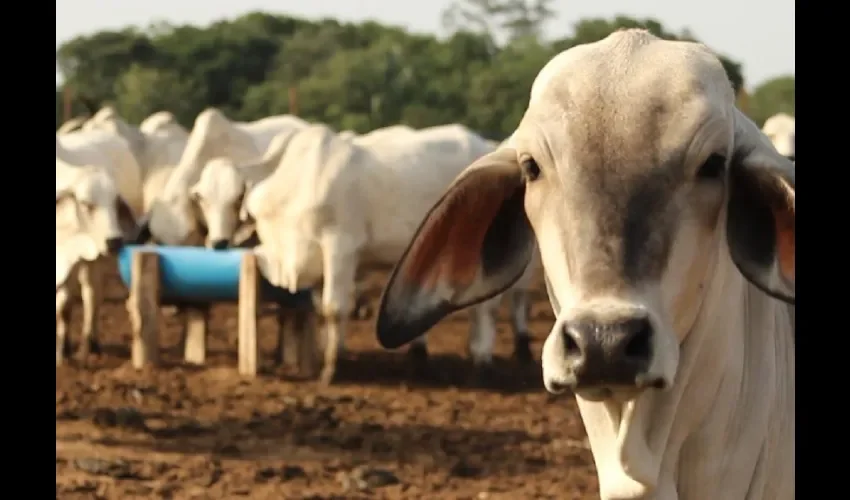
(379, 431)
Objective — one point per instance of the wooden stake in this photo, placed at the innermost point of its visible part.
(249, 293)
(195, 349)
(143, 307)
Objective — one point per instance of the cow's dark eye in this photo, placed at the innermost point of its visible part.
(530, 169)
(713, 167)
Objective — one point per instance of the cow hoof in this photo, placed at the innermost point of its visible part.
(522, 350)
(326, 377)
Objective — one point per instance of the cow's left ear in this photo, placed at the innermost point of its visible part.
(126, 219)
(473, 244)
(761, 224)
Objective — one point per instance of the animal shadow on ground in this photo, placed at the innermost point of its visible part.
(384, 368)
(320, 429)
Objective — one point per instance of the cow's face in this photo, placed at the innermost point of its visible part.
(218, 195)
(91, 208)
(621, 170)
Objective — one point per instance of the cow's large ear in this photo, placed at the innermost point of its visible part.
(762, 213)
(473, 244)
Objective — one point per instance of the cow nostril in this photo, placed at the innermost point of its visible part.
(640, 342)
(570, 344)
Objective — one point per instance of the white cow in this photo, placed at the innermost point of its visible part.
(779, 128)
(391, 133)
(173, 219)
(333, 205)
(103, 115)
(666, 222)
(377, 134)
(103, 148)
(161, 120)
(348, 135)
(71, 125)
(157, 144)
(223, 185)
(94, 215)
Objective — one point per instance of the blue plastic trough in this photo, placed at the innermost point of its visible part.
(197, 274)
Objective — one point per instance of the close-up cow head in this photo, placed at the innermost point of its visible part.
(641, 183)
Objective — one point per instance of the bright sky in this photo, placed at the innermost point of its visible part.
(759, 33)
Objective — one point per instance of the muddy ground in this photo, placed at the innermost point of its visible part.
(379, 432)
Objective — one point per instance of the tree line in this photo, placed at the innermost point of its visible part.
(358, 76)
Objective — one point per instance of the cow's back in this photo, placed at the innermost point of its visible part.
(387, 134)
(263, 131)
(409, 176)
(103, 148)
(433, 157)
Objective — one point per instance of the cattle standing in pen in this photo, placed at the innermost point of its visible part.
(222, 187)
(173, 219)
(333, 205)
(157, 144)
(93, 221)
(666, 221)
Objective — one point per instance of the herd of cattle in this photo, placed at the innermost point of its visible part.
(663, 218)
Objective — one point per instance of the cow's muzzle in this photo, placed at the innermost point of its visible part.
(220, 244)
(598, 359)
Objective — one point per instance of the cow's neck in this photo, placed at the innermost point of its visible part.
(732, 384)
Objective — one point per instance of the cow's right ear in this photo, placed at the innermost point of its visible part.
(473, 244)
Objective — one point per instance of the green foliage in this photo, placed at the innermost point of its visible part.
(350, 76)
(140, 92)
(771, 97)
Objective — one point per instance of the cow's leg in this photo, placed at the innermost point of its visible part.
(482, 336)
(337, 294)
(361, 309)
(90, 292)
(520, 308)
(63, 317)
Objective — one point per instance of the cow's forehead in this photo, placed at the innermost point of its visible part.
(630, 102)
(620, 124)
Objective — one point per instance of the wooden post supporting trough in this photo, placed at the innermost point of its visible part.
(143, 306)
(249, 295)
(296, 319)
(195, 349)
